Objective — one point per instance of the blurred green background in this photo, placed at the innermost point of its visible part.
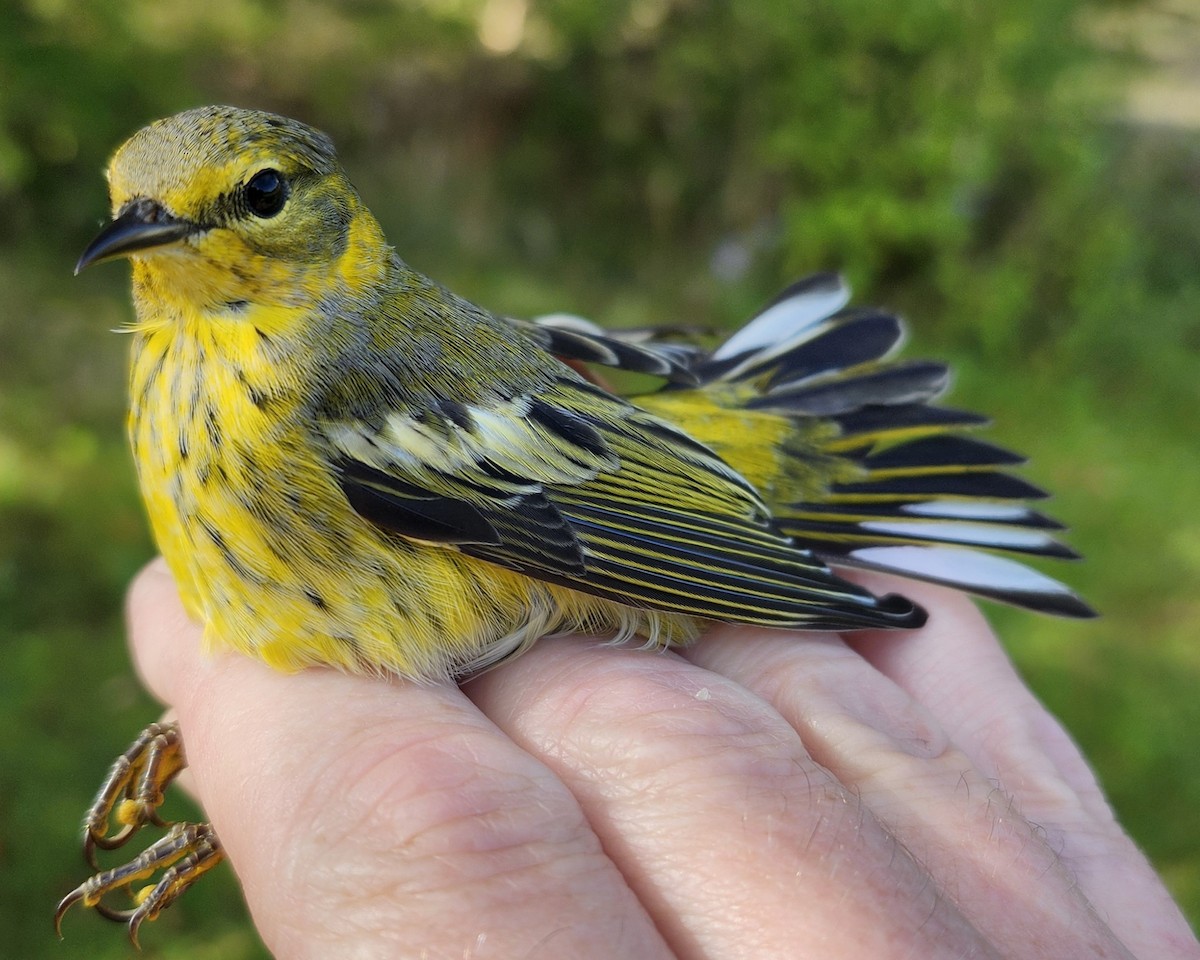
(1022, 179)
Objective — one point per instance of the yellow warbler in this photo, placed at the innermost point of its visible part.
(344, 463)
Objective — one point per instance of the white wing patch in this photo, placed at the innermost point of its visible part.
(514, 450)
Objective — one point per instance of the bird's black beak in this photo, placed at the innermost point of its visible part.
(140, 224)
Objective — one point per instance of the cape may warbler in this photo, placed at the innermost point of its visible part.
(345, 463)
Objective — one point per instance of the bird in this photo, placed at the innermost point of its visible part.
(346, 464)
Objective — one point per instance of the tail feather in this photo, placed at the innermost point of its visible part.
(986, 575)
(785, 321)
(912, 381)
(989, 485)
(999, 514)
(879, 424)
(851, 340)
(1002, 513)
(873, 530)
(909, 492)
(932, 454)
(573, 338)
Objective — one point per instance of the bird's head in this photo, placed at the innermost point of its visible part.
(223, 206)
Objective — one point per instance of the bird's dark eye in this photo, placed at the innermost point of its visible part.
(265, 193)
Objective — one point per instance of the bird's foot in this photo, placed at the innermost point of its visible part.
(130, 797)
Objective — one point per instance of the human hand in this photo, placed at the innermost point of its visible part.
(762, 794)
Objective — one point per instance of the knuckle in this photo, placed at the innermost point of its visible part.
(663, 726)
(434, 811)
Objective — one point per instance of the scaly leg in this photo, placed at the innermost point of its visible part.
(131, 795)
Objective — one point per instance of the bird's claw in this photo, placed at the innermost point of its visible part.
(186, 852)
(130, 796)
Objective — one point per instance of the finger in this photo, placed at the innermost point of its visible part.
(735, 840)
(894, 754)
(376, 817)
(154, 619)
(956, 668)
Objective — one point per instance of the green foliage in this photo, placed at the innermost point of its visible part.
(639, 161)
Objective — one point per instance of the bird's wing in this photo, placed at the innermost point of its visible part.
(577, 487)
(640, 351)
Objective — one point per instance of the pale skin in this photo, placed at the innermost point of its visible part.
(762, 794)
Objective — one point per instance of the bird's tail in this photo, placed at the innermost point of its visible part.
(871, 473)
